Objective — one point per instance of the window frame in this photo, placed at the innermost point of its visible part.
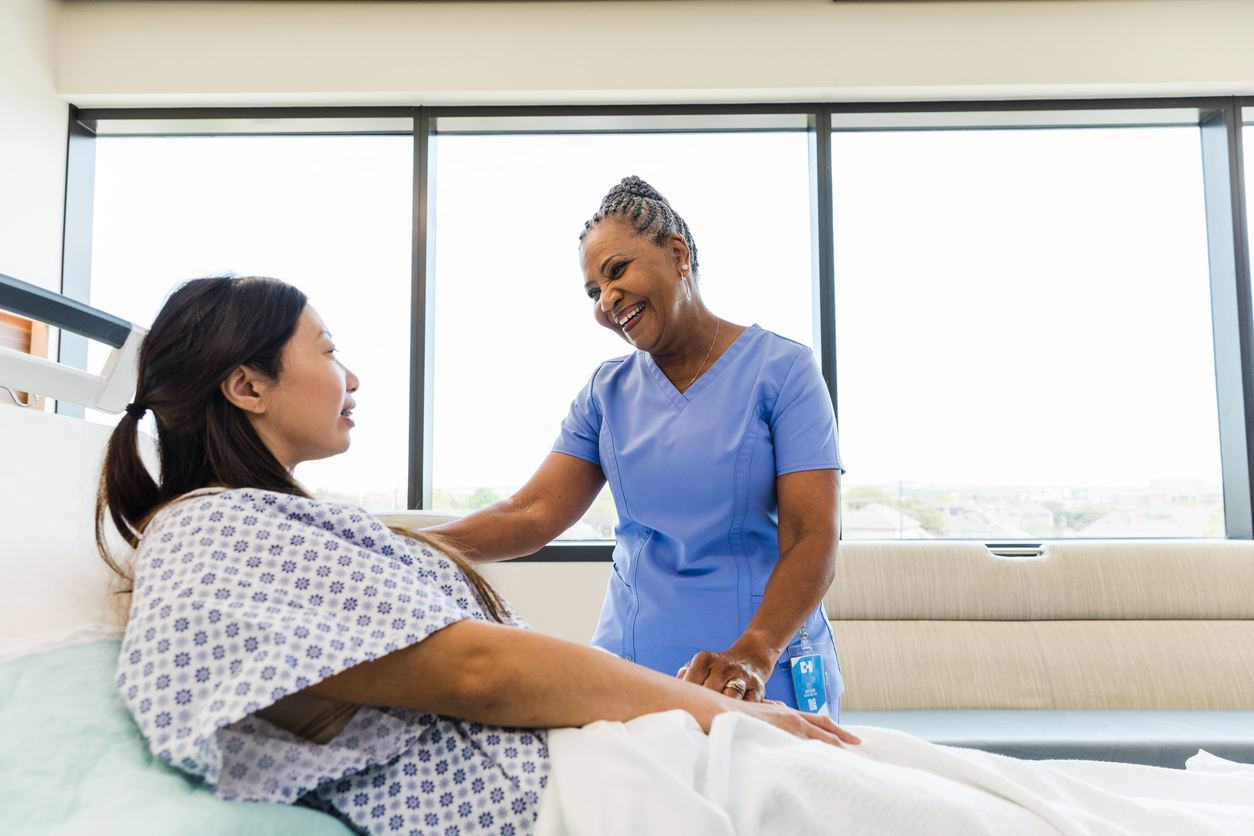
(1219, 120)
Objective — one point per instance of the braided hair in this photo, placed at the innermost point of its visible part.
(649, 214)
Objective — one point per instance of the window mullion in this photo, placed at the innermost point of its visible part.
(1226, 235)
(422, 334)
(822, 238)
(80, 191)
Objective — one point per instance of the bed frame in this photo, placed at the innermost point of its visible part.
(108, 391)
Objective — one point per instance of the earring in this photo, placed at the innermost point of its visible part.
(684, 268)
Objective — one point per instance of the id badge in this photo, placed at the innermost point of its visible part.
(807, 678)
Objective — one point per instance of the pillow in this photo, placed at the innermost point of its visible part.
(39, 642)
(73, 762)
(51, 578)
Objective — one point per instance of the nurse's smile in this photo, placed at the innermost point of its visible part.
(630, 318)
(647, 294)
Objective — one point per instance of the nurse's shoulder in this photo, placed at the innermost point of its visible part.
(612, 374)
(776, 359)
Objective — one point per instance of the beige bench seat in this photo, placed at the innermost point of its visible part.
(1140, 651)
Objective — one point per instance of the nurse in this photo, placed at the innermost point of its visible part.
(719, 445)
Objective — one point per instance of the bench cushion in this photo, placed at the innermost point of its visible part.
(1071, 580)
(1077, 665)
(1155, 738)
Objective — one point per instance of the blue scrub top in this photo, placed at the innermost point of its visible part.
(693, 477)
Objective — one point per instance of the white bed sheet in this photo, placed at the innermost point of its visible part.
(660, 775)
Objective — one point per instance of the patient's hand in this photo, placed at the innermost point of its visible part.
(714, 670)
(798, 723)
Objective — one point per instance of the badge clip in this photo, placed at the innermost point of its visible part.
(808, 680)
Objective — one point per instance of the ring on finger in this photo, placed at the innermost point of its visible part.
(738, 685)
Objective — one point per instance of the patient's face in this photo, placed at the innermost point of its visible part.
(626, 274)
(306, 410)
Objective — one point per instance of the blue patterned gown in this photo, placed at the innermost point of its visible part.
(245, 596)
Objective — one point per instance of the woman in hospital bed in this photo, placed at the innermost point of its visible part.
(284, 648)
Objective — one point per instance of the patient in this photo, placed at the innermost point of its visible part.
(284, 648)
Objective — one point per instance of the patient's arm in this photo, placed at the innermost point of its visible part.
(552, 501)
(504, 676)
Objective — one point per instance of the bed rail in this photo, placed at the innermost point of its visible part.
(108, 391)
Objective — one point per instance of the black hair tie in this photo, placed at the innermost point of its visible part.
(136, 410)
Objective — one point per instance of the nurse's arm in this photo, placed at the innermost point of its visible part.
(809, 525)
(553, 500)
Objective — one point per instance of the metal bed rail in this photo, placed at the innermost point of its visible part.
(108, 391)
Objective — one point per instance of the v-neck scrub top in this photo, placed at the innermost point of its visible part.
(693, 477)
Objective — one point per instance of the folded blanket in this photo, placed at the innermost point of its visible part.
(660, 774)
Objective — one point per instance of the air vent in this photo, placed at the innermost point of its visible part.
(1016, 549)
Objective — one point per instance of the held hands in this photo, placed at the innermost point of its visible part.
(738, 665)
(753, 665)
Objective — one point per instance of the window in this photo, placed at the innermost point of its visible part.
(329, 214)
(515, 339)
(1024, 334)
(1027, 313)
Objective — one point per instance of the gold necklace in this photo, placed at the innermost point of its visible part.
(717, 323)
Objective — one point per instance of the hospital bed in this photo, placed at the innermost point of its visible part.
(1120, 651)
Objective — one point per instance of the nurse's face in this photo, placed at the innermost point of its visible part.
(639, 290)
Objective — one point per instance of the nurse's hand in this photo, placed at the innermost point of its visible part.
(714, 670)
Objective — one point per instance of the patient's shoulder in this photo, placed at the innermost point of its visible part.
(217, 516)
(219, 510)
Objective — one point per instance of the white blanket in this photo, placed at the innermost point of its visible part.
(660, 774)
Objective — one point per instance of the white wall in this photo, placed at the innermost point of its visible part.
(558, 599)
(33, 124)
(118, 53)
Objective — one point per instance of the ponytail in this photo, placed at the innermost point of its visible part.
(127, 490)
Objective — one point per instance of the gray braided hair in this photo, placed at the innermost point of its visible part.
(647, 211)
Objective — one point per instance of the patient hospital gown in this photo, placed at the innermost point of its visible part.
(244, 596)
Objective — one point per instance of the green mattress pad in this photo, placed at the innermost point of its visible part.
(72, 761)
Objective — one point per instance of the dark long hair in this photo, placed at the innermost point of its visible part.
(206, 330)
